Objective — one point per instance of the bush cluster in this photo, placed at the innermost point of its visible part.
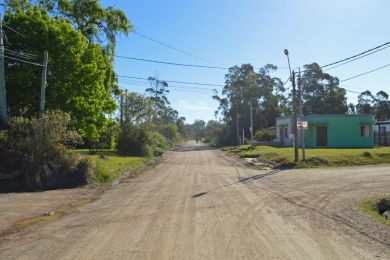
(141, 140)
(134, 140)
(264, 135)
(34, 155)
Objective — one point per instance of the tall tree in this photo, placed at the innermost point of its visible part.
(366, 103)
(96, 23)
(78, 73)
(157, 91)
(382, 106)
(136, 108)
(244, 86)
(321, 92)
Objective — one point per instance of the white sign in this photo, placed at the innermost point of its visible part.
(302, 124)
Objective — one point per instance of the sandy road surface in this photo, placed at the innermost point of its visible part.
(199, 204)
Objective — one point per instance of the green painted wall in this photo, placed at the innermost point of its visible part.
(342, 130)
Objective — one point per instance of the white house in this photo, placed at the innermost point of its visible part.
(284, 131)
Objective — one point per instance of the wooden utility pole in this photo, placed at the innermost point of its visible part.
(251, 115)
(294, 105)
(302, 130)
(125, 116)
(3, 95)
(238, 125)
(43, 82)
(121, 109)
(243, 136)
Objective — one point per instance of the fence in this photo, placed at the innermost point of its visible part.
(382, 138)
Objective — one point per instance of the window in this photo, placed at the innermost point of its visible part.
(286, 132)
(364, 130)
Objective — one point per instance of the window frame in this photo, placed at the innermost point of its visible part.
(364, 131)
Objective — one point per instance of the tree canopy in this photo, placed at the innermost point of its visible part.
(80, 77)
(244, 86)
(321, 93)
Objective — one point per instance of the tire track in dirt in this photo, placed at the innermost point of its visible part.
(199, 204)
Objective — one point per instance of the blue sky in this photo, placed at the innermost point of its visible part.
(231, 32)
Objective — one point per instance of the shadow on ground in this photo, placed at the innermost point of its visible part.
(194, 148)
(246, 180)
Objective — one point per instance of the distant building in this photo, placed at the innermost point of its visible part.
(382, 133)
(329, 131)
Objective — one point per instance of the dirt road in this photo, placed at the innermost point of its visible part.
(199, 204)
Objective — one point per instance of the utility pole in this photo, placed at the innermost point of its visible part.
(251, 115)
(3, 95)
(126, 119)
(121, 109)
(238, 126)
(243, 136)
(295, 128)
(43, 82)
(302, 130)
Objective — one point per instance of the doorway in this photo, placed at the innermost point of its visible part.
(322, 136)
(281, 134)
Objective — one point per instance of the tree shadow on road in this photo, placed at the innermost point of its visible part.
(240, 180)
(193, 148)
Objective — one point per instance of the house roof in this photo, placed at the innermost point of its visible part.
(327, 115)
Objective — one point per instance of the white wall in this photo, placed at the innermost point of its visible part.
(284, 122)
(376, 127)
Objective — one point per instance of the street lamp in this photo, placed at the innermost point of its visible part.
(295, 127)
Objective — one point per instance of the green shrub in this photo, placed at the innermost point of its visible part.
(367, 154)
(169, 131)
(34, 152)
(158, 141)
(264, 135)
(134, 140)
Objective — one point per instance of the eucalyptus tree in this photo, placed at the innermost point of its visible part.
(244, 86)
(158, 91)
(382, 106)
(321, 92)
(366, 103)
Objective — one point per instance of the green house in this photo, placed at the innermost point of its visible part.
(343, 131)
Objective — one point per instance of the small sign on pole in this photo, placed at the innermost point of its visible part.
(302, 124)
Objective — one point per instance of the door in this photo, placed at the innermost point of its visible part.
(281, 134)
(322, 136)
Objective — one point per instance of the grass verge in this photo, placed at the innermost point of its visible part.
(110, 165)
(283, 157)
(368, 206)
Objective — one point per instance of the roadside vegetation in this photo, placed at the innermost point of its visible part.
(92, 130)
(109, 165)
(283, 157)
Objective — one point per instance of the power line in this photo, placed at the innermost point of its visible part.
(174, 81)
(360, 57)
(180, 64)
(365, 73)
(168, 46)
(357, 55)
(21, 55)
(15, 31)
(171, 63)
(176, 89)
(28, 62)
(170, 86)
